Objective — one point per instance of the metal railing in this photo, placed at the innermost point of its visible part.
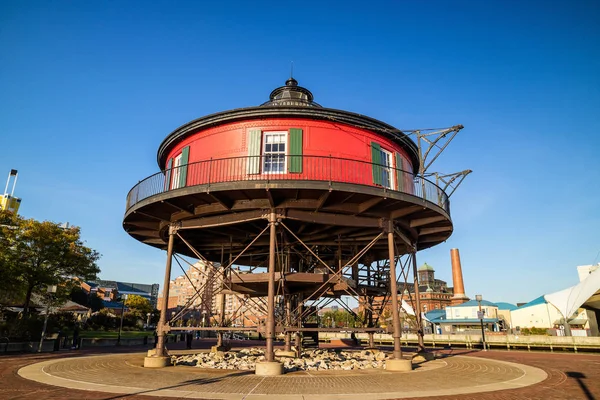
(271, 168)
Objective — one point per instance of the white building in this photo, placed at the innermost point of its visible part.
(574, 307)
(538, 313)
(464, 317)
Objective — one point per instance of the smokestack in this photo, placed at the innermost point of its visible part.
(457, 278)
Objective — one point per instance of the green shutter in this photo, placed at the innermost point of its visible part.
(253, 165)
(185, 156)
(168, 174)
(295, 161)
(399, 173)
(376, 160)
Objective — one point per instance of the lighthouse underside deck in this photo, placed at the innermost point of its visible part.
(307, 283)
(221, 220)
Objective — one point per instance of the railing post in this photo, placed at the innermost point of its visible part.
(330, 167)
(209, 173)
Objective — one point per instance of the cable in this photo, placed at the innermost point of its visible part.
(596, 259)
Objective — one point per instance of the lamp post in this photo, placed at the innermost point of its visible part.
(51, 289)
(480, 313)
(148, 320)
(123, 298)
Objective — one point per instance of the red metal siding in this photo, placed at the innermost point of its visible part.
(324, 144)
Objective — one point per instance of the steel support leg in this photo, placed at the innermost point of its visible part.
(160, 342)
(394, 292)
(288, 319)
(269, 354)
(421, 345)
(222, 301)
(299, 334)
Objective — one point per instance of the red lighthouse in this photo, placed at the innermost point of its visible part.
(292, 202)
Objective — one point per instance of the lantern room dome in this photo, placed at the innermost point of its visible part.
(291, 95)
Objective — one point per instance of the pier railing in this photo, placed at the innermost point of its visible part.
(271, 168)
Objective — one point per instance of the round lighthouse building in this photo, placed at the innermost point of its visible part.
(294, 205)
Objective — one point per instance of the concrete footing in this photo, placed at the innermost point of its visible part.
(284, 353)
(269, 368)
(423, 356)
(215, 349)
(152, 353)
(157, 362)
(395, 364)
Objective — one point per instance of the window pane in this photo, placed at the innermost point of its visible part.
(274, 152)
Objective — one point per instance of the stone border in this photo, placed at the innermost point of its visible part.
(36, 372)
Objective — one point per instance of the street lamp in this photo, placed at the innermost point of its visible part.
(148, 320)
(480, 313)
(123, 298)
(51, 290)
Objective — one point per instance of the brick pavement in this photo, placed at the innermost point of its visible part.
(569, 377)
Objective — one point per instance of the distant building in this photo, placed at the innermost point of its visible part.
(434, 293)
(110, 291)
(198, 289)
(584, 270)
(464, 317)
(538, 313)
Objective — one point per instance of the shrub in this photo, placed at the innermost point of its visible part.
(534, 331)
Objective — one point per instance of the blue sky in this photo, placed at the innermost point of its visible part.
(90, 89)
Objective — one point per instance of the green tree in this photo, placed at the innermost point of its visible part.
(338, 318)
(9, 283)
(39, 254)
(139, 303)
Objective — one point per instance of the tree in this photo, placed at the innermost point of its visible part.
(139, 303)
(337, 318)
(39, 254)
(9, 283)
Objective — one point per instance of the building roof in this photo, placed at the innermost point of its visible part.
(141, 288)
(425, 267)
(475, 303)
(291, 95)
(506, 306)
(128, 287)
(435, 316)
(290, 101)
(534, 302)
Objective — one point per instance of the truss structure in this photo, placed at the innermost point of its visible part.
(286, 297)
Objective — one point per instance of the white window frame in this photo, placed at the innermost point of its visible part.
(176, 172)
(265, 154)
(387, 164)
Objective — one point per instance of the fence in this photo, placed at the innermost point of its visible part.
(269, 168)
